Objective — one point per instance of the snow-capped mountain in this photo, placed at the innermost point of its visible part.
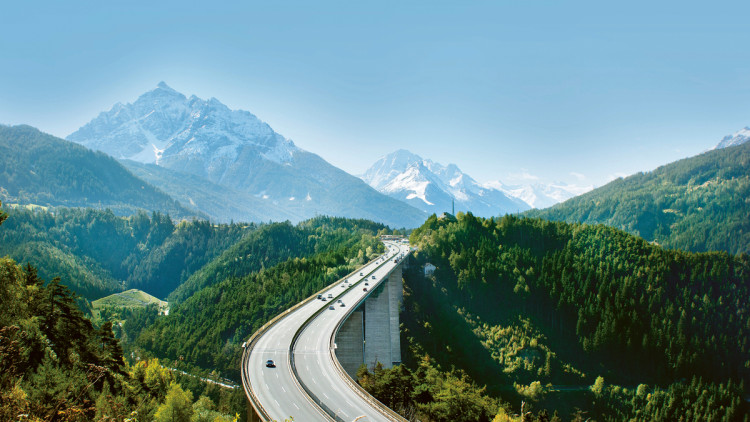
(202, 137)
(739, 137)
(539, 195)
(433, 187)
(233, 148)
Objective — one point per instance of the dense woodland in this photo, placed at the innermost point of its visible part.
(213, 322)
(696, 204)
(96, 252)
(232, 278)
(580, 318)
(37, 168)
(55, 365)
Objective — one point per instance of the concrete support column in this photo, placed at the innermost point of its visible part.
(376, 322)
(377, 328)
(350, 343)
(396, 296)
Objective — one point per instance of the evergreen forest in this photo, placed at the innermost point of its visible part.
(696, 204)
(63, 363)
(571, 321)
(42, 170)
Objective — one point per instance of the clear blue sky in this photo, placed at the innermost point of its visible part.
(559, 90)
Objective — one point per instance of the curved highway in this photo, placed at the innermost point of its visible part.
(308, 383)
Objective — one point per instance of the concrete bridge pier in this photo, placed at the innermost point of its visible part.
(371, 334)
(395, 300)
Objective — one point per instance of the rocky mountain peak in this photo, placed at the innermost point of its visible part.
(737, 138)
(203, 137)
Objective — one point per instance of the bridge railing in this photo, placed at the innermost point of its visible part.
(253, 340)
(348, 379)
(356, 387)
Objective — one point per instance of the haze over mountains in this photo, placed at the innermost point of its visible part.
(235, 150)
(229, 165)
(432, 187)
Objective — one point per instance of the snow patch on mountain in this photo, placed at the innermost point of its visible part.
(738, 138)
(539, 195)
(166, 128)
(434, 187)
(208, 142)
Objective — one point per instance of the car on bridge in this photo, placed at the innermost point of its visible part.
(331, 307)
(270, 364)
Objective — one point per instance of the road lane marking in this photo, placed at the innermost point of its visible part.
(295, 405)
(282, 387)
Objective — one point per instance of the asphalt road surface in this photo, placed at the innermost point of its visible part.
(278, 390)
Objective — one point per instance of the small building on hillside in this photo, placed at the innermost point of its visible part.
(429, 269)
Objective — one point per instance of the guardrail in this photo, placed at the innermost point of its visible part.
(348, 379)
(370, 399)
(250, 343)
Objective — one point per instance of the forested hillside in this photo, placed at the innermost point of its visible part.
(272, 244)
(55, 365)
(208, 328)
(568, 316)
(37, 168)
(97, 253)
(696, 204)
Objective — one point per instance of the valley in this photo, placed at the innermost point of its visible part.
(149, 273)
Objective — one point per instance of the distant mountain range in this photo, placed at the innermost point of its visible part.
(236, 151)
(540, 195)
(191, 157)
(434, 188)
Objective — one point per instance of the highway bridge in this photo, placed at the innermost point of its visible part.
(318, 345)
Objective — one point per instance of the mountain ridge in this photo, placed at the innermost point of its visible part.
(40, 169)
(695, 204)
(235, 149)
(407, 176)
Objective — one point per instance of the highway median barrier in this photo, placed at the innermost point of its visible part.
(252, 341)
